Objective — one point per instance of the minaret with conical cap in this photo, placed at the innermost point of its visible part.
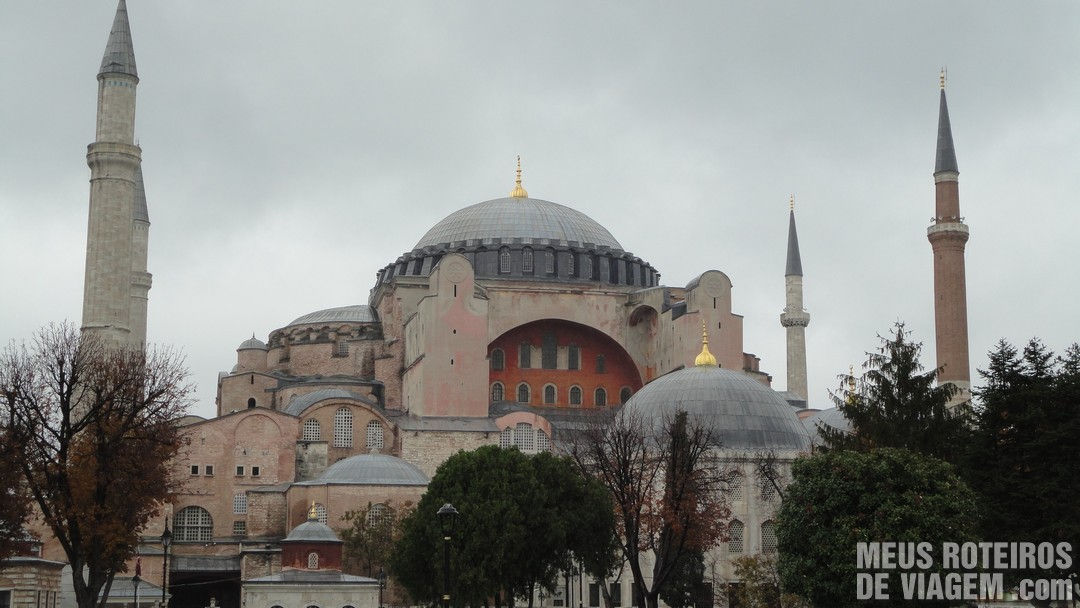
(794, 319)
(948, 236)
(116, 282)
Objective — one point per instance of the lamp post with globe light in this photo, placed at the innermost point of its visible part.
(382, 584)
(447, 515)
(166, 540)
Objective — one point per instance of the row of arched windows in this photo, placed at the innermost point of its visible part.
(550, 394)
(736, 537)
(617, 272)
(527, 261)
(525, 438)
(343, 431)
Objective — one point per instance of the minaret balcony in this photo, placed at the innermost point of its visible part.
(794, 318)
(955, 230)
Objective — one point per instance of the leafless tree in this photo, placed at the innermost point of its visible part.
(667, 484)
(94, 428)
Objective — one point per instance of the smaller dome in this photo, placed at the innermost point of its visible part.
(832, 418)
(357, 313)
(373, 470)
(252, 343)
(312, 531)
(302, 402)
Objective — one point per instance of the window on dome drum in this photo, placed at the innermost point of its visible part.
(193, 524)
(377, 514)
(504, 261)
(575, 395)
(251, 403)
(613, 271)
(320, 513)
(239, 503)
(735, 537)
(506, 438)
(527, 260)
(573, 356)
(498, 360)
(341, 349)
(525, 355)
(543, 443)
(549, 351)
(596, 268)
(768, 537)
(343, 428)
(523, 393)
(374, 435)
(600, 397)
(525, 437)
(497, 392)
(313, 561)
(600, 364)
(624, 395)
(549, 261)
(571, 268)
(239, 528)
(312, 432)
(549, 394)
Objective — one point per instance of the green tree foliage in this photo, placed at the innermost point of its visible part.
(759, 582)
(14, 500)
(1023, 457)
(370, 537)
(896, 404)
(840, 498)
(522, 519)
(687, 587)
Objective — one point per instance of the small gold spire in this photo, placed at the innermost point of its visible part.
(944, 73)
(851, 385)
(791, 202)
(312, 514)
(518, 191)
(705, 358)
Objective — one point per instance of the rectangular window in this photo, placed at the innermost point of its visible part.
(549, 351)
(594, 595)
(240, 471)
(209, 469)
(239, 528)
(194, 469)
(600, 364)
(573, 357)
(525, 356)
(254, 471)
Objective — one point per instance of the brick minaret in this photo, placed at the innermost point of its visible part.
(794, 318)
(948, 236)
(116, 281)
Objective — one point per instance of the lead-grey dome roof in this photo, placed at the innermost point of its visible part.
(252, 343)
(746, 415)
(524, 218)
(357, 313)
(302, 402)
(312, 531)
(373, 470)
(832, 418)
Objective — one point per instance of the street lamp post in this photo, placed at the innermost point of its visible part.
(447, 514)
(166, 540)
(382, 584)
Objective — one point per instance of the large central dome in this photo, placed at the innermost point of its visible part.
(524, 218)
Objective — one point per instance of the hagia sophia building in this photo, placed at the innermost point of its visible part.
(505, 324)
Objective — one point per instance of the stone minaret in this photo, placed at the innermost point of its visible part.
(794, 318)
(948, 236)
(116, 283)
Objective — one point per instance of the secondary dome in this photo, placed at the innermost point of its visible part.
(372, 469)
(312, 531)
(746, 415)
(357, 313)
(524, 218)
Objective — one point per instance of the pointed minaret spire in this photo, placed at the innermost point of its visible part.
(119, 53)
(794, 319)
(948, 237)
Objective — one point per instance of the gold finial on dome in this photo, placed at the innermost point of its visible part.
(851, 385)
(705, 358)
(518, 191)
(942, 77)
(791, 202)
(313, 514)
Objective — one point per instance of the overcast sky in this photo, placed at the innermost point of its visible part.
(291, 149)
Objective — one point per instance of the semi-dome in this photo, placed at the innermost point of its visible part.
(357, 313)
(373, 470)
(746, 415)
(524, 218)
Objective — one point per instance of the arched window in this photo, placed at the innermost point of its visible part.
(506, 438)
(600, 397)
(543, 444)
(498, 360)
(525, 355)
(320, 513)
(525, 437)
(549, 394)
(523, 393)
(571, 266)
(374, 435)
(527, 260)
(504, 261)
(735, 537)
(313, 561)
(193, 524)
(343, 430)
(239, 503)
(549, 261)
(624, 395)
(575, 395)
(573, 357)
(377, 514)
(497, 392)
(312, 430)
(735, 486)
(768, 537)
(251, 402)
